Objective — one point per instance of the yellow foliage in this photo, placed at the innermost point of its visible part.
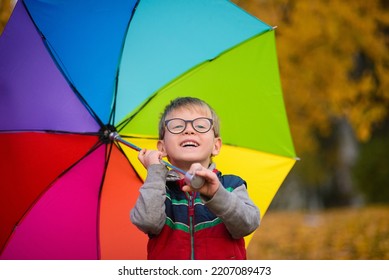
(320, 44)
(5, 11)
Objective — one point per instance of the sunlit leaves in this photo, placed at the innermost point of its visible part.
(5, 10)
(334, 63)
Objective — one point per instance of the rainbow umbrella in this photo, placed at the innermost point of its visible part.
(73, 73)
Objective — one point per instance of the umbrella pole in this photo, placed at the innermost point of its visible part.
(191, 179)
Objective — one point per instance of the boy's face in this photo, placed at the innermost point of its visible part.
(189, 146)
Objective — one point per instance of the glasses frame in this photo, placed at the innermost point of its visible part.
(186, 123)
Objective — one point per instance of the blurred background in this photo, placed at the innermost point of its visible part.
(334, 64)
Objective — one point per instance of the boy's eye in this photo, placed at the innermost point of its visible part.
(178, 126)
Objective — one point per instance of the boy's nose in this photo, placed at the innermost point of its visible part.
(189, 129)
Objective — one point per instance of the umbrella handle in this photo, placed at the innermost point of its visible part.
(194, 181)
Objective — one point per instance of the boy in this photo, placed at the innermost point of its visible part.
(187, 223)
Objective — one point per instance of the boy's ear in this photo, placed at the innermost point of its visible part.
(216, 146)
(161, 147)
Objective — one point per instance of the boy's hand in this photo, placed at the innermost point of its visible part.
(211, 184)
(149, 157)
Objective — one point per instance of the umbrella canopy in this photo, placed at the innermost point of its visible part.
(72, 72)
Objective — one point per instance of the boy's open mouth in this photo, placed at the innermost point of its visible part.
(189, 144)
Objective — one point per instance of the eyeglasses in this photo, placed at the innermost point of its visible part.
(176, 126)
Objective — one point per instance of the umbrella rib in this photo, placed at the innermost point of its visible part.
(122, 124)
(50, 132)
(32, 205)
(108, 153)
(66, 76)
(113, 111)
(61, 67)
(128, 160)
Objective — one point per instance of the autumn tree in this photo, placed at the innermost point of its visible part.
(5, 11)
(334, 63)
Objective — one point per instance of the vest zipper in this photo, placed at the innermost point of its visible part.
(191, 225)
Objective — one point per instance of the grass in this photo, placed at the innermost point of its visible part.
(338, 234)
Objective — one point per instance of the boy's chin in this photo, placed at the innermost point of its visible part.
(187, 161)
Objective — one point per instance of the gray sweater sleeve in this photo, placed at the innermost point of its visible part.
(236, 209)
(148, 213)
(238, 212)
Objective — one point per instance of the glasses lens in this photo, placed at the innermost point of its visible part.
(175, 125)
(202, 125)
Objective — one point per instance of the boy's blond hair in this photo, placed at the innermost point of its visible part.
(190, 103)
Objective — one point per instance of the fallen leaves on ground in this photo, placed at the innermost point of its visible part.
(338, 234)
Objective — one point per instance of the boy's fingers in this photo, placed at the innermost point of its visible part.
(205, 173)
(187, 188)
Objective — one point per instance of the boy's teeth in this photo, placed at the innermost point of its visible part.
(189, 144)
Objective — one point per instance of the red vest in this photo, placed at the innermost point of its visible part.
(208, 244)
(191, 231)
